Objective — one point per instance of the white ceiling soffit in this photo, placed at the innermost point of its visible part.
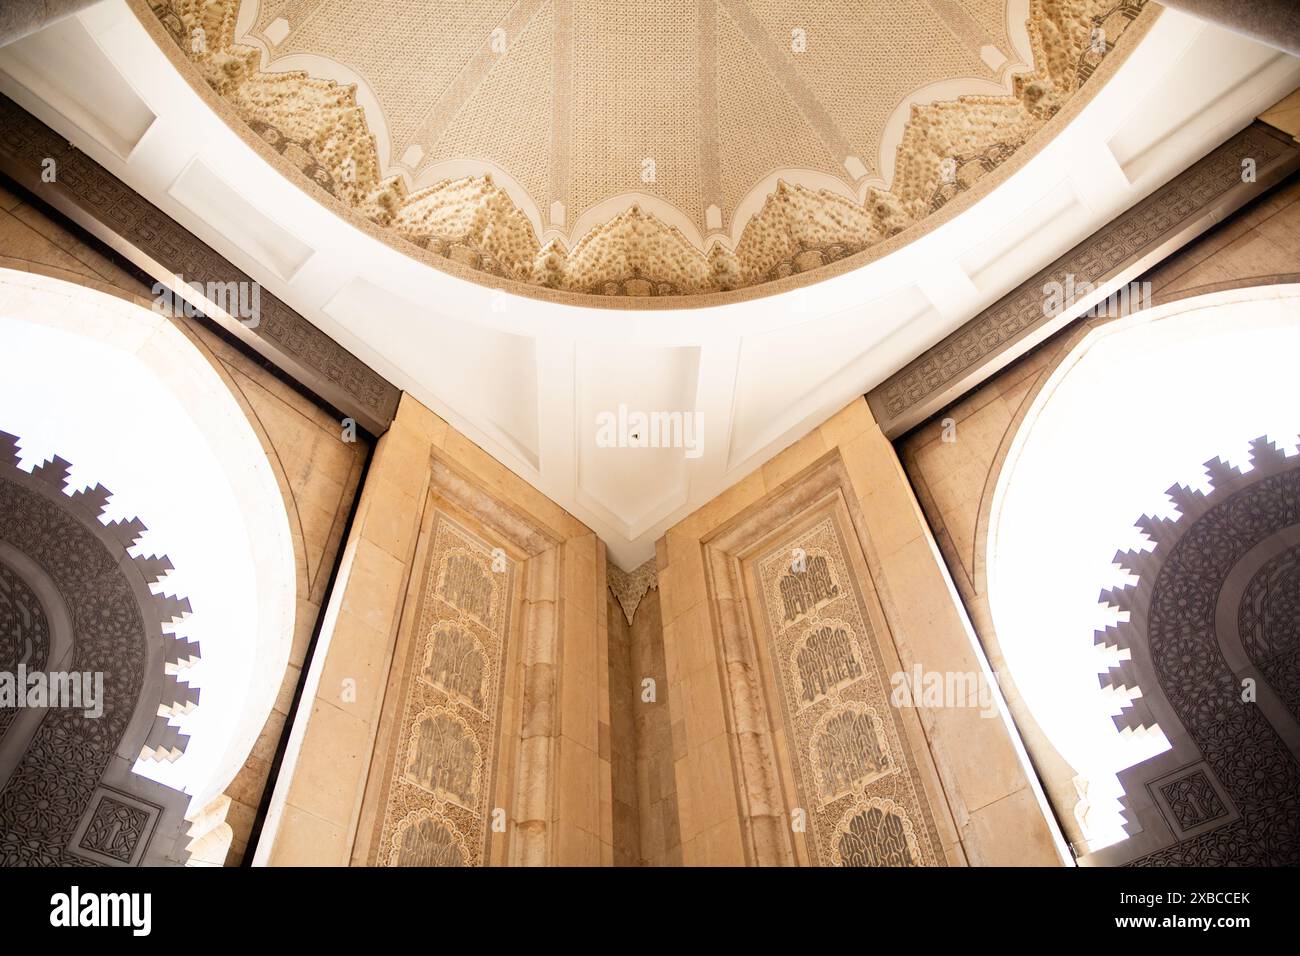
(531, 380)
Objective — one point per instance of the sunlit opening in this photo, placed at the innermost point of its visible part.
(132, 404)
(1139, 406)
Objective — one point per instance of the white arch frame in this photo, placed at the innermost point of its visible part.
(188, 376)
(1260, 306)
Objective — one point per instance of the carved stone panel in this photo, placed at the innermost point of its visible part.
(24, 632)
(456, 664)
(115, 830)
(428, 841)
(875, 833)
(437, 806)
(1191, 801)
(854, 777)
(1269, 624)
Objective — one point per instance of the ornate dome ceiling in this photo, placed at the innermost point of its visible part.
(624, 149)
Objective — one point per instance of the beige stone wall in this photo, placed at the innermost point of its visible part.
(622, 743)
(646, 830)
(954, 480)
(986, 808)
(554, 784)
(656, 776)
(318, 472)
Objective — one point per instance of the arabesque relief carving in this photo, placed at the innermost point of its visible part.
(437, 803)
(825, 662)
(55, 809)
(1269, 623)
(854, 776)
(24, 632)
(317, 127)
(1239, 740)
(444, 757)
(467, 585)
(804, 589)
(455, 664)
(849, 750)
(425, 841)
(876, 833)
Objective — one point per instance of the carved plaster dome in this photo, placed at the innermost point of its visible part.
(629, 150)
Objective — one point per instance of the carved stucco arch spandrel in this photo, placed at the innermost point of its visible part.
(1227, 792)
(69, 795)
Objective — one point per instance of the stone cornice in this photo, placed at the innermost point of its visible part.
(1117, 253)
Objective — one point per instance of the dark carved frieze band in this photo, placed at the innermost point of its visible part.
(164, 248)
(1118, 252)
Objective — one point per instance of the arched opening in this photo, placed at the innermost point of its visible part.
(1137, 407)
(135, 404)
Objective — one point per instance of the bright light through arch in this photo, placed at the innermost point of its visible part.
(1136, 407)
(133, 404)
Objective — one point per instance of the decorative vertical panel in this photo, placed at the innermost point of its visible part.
(853, 773)
(438, 809)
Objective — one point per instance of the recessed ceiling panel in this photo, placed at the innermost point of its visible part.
(203, 192)
(64, 65)
(484, 375)
(637, 429)
(790, 375)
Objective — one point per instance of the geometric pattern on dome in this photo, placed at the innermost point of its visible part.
(1172, 610)
(716, 96)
